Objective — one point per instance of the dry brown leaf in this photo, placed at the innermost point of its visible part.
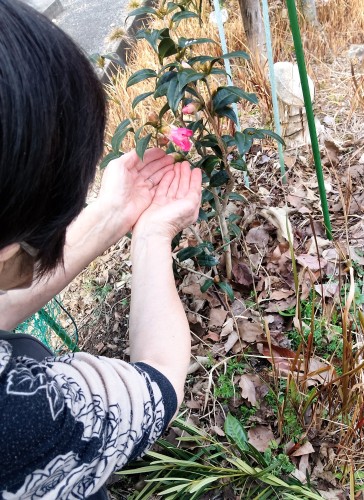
(217, 317)
(231, 341)
(278, 216)
(305, 449)
(311, 262)
(260, 437)
(243, 274)
(247, 387)
(281, 294)
(193, 404)
(281, 305)
(257, 236)
(328, 290)
(215, 337)
(227, 328)
(249, 331)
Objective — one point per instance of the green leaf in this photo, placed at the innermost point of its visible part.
(188, 75)
(219, 178)
(108, 158)
(229, 95)
(236, 432)
(208, 163)
(218, 71)
(207, 260)
(151, 36)
(121, 130)
(238, 164)
(140, 75)
(243, 142)
(188, 253)
(141, 11)
(236, 53)
(174, 95)
(163, 83)
(225, 287)
(179, 16)
(115, 58)
(139, 98)
(272, 134)
(164, 110)
(188, 42)
(176, 240)
(166, 48)
(237, 197)
(202, 215)
(234, 229)
(142, 144)
(229, 113)
(205, 286)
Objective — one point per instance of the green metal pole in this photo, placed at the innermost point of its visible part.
(62, 334)
(293, 19)
(272, 80)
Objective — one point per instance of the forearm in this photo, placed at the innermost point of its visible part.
(84, 242)
(159, 331)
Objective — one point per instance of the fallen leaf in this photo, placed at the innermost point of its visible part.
(243, 274)
(247, 389)
(249, 331)
(305, 449)
(215, 337)
(193, 404)
(278, 216)
(217, 317)
(260, 437)
(311, 262)
(231, 341)
(227, 328)
(281, 294)
(281, 305)
(327, 290)
(257, 236)
(282, 357)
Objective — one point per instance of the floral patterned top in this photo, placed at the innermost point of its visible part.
(68, 422)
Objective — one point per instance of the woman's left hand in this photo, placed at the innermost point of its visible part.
(128, 187)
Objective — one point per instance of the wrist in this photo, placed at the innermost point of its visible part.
(110, 225)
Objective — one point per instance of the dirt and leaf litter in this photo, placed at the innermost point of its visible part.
(253, 333)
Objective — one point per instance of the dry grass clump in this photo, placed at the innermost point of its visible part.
(342, 24)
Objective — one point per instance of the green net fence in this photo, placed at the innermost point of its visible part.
(54, 326)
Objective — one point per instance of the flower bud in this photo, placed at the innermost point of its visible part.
(153, 118)
(177, 156)
(191, 108)
(162, 140)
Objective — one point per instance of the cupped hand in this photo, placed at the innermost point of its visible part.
(175, 204)
(128, 187)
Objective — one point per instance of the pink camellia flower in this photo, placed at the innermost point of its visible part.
(191, 108)
(181, 137)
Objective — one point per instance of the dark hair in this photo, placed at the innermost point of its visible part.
(52, 120)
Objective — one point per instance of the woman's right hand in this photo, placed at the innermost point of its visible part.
(175, 204)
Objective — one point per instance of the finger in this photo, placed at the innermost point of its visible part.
(184, 183)
(164, 185)
(158, 176)
(151, 168)
(196, 180)
(151, 155)
(173, 189)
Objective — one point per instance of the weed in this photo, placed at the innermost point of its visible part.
(225, 387)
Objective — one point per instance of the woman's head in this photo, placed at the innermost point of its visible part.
(52, 119)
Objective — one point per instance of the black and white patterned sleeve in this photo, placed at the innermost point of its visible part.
(68, 423)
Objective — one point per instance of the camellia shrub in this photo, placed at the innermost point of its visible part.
(194, 120)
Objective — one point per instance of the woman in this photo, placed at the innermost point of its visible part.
(67, 423)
